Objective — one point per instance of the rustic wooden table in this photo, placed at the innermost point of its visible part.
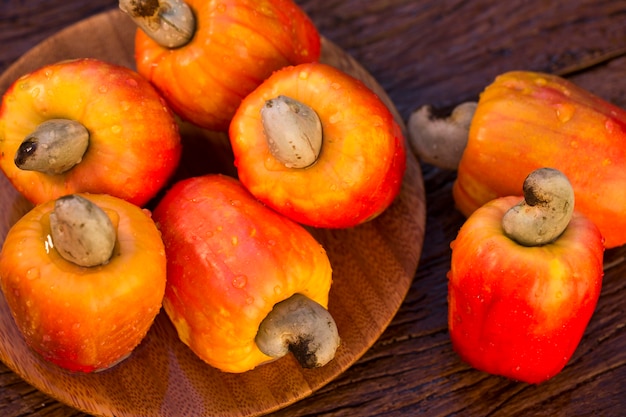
(439, 52)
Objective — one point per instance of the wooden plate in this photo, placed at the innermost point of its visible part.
(373, 264)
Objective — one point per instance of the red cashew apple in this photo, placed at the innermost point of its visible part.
(524, 121)
(205, 56)
(245, 285)
(86, 125)
(84, 278)
(524, 281)
(319, 147)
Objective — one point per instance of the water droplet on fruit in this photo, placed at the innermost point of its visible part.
(235, 203)
(278, 290)
(303, 75)
(249, 300)
(116, 129)
(125, 105)
(609, 125)
(240, 281)
(32, 273)
(335, 86)
(541, 81)
(35, 92)
(132, 82)
(565, 112)
(103, 89)
(221, 7)
(272, 164)
(234, 240)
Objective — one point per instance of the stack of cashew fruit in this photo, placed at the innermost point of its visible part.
(114, 235)
(540, 172)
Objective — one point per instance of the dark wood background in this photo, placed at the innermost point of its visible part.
(438, 52)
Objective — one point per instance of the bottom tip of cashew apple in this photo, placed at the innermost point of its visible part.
(301, 326)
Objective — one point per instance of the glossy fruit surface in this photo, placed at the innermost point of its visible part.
(236, 45)
(134, 143)
(230, 260)
(84, 318)
(361, 165)
(520, 311)
(527, 120)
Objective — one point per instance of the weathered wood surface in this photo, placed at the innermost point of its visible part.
(438, 52)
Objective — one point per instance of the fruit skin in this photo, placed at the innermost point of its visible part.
(134, 144)
(230, 260)
(363, 158)
(84, 319)
(519, 311)
(237, 44)
(527, 120)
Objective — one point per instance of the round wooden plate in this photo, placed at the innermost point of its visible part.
(373, 265)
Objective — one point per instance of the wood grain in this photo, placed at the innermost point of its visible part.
(439, 52)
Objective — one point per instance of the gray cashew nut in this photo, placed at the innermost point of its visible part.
(545, 212)
(440, 141)
(301, 326)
